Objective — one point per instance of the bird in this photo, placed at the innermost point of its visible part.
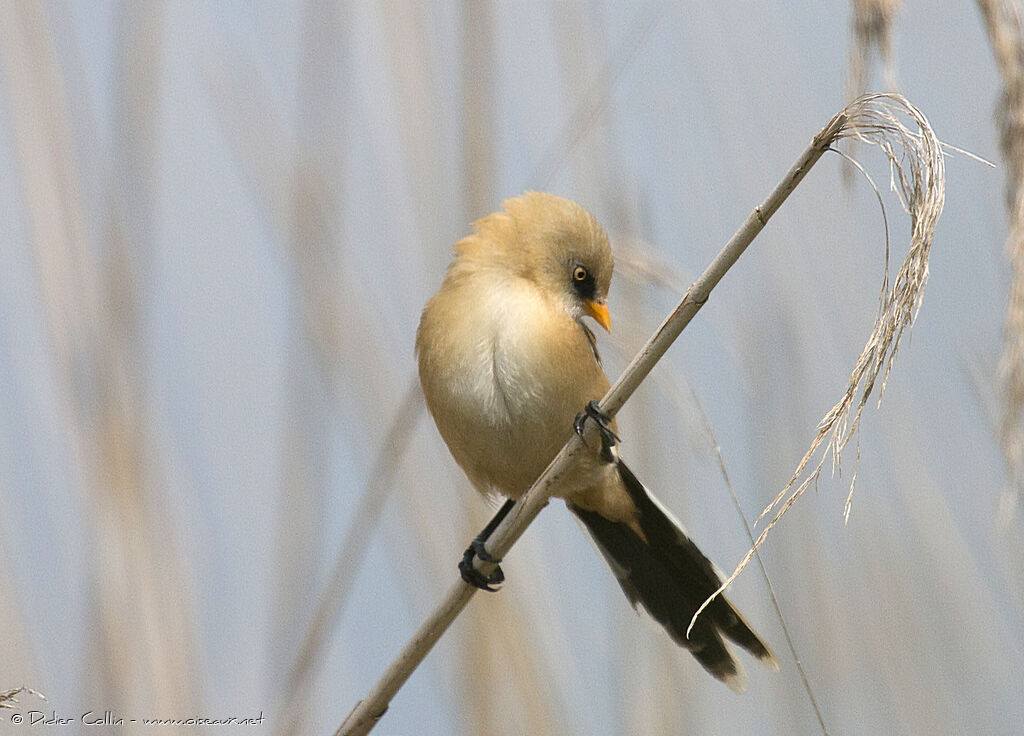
(509, 370)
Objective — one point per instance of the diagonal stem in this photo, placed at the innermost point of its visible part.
(370, 709)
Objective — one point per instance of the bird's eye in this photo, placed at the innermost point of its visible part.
(579, 273)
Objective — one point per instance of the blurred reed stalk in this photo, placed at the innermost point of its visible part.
(311, 230)
(1006, 34)
(593, 104)
(872, 35)
(21, 661)
(369, 711)
(528, 700)
(336, 335)
(298, 684)
(591, 144)
(143, 651)
(479, 656)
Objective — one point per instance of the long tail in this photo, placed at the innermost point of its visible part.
(670, 577)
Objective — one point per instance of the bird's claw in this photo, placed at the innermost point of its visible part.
(609, 439)
(473, 576)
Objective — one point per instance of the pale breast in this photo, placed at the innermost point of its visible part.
(504, 373)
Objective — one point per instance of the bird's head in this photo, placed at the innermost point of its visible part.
(554, 243)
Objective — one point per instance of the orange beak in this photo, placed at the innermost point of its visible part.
(599, 311)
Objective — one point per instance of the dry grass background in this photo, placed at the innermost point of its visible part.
(220, 225)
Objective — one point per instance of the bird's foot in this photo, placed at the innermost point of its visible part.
(473, 576)
(609, 440)
(476, 548)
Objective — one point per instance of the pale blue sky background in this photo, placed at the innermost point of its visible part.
(276, 187)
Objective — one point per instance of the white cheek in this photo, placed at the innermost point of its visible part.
(573, 306)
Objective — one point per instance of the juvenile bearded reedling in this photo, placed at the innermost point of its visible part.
(506, 364)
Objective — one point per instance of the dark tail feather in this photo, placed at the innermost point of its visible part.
(670, 577)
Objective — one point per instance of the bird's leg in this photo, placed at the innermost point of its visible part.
(608, 438)
(476, 548)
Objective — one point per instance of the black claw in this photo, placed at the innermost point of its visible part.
(608, 438)
(473, 576)
(476, 548)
